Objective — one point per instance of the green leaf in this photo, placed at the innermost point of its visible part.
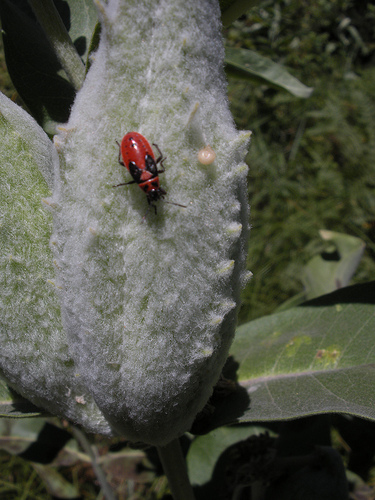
(233, 9)
(94, 44)
(205, 451)
(330, 270)
(21, 135)
(334, 268)
(312, 359)
(18, 435)
(34, 351)
(15, 406)
(248, 64)
(316, 358)
(210, 314)
(33, 66)
(81, 18)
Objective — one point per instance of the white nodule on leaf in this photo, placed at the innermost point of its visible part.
(206, 155)
(149, 305)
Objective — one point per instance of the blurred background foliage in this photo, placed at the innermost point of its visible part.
(312, 161)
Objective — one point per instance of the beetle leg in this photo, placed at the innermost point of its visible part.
(119, 156)
(150, 204)
(124, 184)
(148, 209)
(160, 159)
(161, 163)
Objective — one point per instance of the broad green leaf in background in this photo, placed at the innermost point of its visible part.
(312, 359)
(247, 462)
(34, 439)
(13, 405)
(17, 435)
(32, 64)
(331, 269)
(233, 9)
(205, 450)
(81, 22)
(335, 268)
(248, 64)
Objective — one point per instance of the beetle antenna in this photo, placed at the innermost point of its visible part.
(173, 203)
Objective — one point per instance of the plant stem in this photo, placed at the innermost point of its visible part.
(84, 442)
(51, 22)
(174, 466)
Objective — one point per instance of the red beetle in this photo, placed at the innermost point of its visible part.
(137, 156)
